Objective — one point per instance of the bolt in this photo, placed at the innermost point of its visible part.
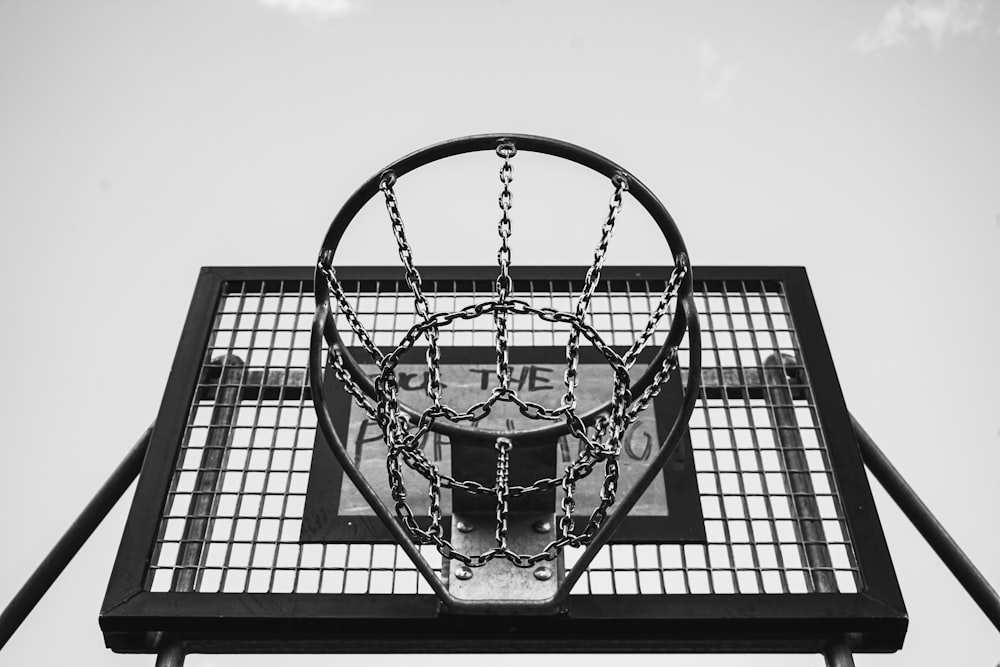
(542, 526)
(465, 526)
(542, 574)
(463, 573)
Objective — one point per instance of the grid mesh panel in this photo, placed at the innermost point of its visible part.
(233, 515)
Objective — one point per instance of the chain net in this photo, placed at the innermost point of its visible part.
(601, 441)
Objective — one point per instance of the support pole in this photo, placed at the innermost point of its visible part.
(209, 478)
(170, 654)
(929, 527)
(73, 539)
(793, 459)
(838, 654)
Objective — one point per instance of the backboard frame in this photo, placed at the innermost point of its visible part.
(134, 619)
(681, 520)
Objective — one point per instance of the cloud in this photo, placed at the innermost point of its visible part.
(321, 9)
(937, 19)
(717, 73)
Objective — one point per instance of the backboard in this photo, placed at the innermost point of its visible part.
(760, 535)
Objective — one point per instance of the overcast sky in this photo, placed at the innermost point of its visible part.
(140, 141)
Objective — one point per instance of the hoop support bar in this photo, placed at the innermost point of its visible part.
(930, 528)
(73, 539)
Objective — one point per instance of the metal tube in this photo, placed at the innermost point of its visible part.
(929, 527)
(838, 654)
(75, 536)
(793, 458)
(170, 654)
(206, 485)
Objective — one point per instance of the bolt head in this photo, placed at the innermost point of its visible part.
(463, 573)
(543, 573)
(542, 526)
(465, 526)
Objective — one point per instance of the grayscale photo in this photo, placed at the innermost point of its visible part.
(500, 331)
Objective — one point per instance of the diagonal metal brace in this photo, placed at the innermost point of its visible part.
(73, 539)
(930, 528)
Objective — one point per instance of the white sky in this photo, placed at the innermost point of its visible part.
(140, 141)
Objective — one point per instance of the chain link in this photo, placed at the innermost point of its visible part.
(326, 270)
(340, 372)
(669, 294)
(601, 441)
(503, 447)
(506, 151)
(571, 376)
(416, 285)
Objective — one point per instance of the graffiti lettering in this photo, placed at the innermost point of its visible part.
(369, 432)
(646, 449)
(406, 381)
(363, 438)
(630, 446)
(536, 378)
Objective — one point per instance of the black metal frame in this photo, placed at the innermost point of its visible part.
(134, 619)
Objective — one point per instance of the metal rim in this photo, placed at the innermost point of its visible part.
(489, 142)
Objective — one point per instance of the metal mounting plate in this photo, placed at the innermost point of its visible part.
(500, 580)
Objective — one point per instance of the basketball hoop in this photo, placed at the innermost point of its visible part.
(599, 430)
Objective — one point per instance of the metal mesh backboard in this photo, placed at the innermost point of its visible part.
(760, 534)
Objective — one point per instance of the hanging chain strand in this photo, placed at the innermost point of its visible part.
(669, 295)
(505, 150)
(416, 286)
(326, 269)
(600, 442)
(571, 376)
(503, 447)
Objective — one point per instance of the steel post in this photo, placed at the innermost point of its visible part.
(793, 458)
(209, 477)
(838, 654)
(170, 654)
